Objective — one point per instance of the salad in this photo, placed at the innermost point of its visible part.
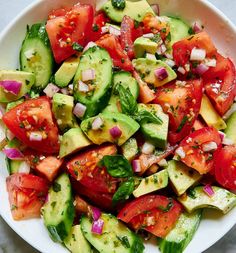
(119, 127)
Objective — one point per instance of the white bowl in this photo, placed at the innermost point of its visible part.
(214, 225)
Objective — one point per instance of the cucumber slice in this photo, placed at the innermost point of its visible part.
(178, 239)
(97, 98)
(58, 213)
(36, 55)
(116, 237)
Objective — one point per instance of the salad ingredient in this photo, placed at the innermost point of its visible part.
(27, 194)
(118, 4)
(193, 147)
(62, 108)
(97, 97)
(14, 84)
(144, 45)
(34, 115)
(130, 149)
(79, 110)
(97, 227)
(69, 29)
(135, 10)
(147, 69)
(51, 90)
(178, 238)
(36, 55)
(208, 190)
(88, 75)
(115, 132)
(230, 111)
(225, 167)
(115, 237)
(97, 123)
(161, 73)
(98, 136)
(222, 200)
(10, 105)
(210, 115)
(13, 153)
(148, 148)
(181, 176)
(152, 183)
(58, 213)
(136, 165)
(231, 126)
(72, 141)
(76, 242)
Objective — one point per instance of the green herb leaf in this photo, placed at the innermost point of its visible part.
(183, 122)
(76, 46)
(118, 4)
(147, 117)
(56, 187)
(117, 166)
(191, 31)
(124, 240)
(124, 191)
(191, 193)
(167, 208)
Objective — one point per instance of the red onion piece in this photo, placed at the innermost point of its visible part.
(115, 132)
(201, 69)
(161, 73)
(96, 213)
(65, 91)
(148, 35)
(208, 190)
(97, 226)
(222, 135)
(197, 28)
(105, 29)
(35, 136)
(197, 54)
(97, 123)
(113, 30)
(11, 86)
(79, 110)
(51, 90)
(88, 74)
(13, 153)
(148, 148)
(156, 9)
(151, 57)
(136, 166)
(83, 87)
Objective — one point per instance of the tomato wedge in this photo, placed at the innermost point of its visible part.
(27, 194)
(119, 56)
(65, 30)
(84, 168)
(220, 84)
(181, 100)
(225, 167)
(34, 117)
(192, 150)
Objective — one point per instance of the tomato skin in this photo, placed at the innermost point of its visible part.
(225, 167)
(112, 45)
(34, 115)
(99, 21)
(71, 28)
(182, 104)
(84, 168)
(195, 157)
(182, 49)
(27, 194)
(220, 84)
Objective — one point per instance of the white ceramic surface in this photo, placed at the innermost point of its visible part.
(214, 225)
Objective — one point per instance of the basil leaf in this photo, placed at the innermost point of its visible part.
(117, 166)
(118, 4)
(124, 191)
(124, 240)
(183, 122)
(147, 117)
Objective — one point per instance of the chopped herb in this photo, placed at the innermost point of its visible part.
(56, 187)
(13, 207)
(53, 204)
(183, 122)
(95, 27)
(167, 208)
(195, 146)
(76, 46)
(144, 117)
(156, 38)
(122, 60)
(27, 82)
(124, 240)
(35, 159)
(73, 237)
(163, 30)
(168, 37)
(191, 31)
(191, 193)
(195, 64)
(136, 24)
(21, 125)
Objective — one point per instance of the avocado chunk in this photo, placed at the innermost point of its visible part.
(155, 133)
(127, 126)
(62, 106)
(146, 68)
(130, 149)
(152, 183)
(231, 128)
(222, 199)
(14, 104)
(66, 72)
(75, 241)
(72, 141)
(126, 80)
(136, 10)
(181, 176)
(182, 234)
(144, 45)
(26, 79)
(210, 115)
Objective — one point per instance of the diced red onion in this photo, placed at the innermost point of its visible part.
(97, 123)
(65, 91)
(35, 136)
(148, 35)
(51, 90)
(210, 62)
(151, 56)
(83, 87)
(208, 190)
(96, 213)
(201, 69)
(79, 110)
(180, 152)
(197, 54)
(113, 30)
(222, 135)
(161, 73)
(88, 74)
(24, 168)
(89, 45)
(11, 86)
(13, 153)
(170, 63)
(97, 227)
(71, 86)
(226, 141)
(230, 112)
(209, 146)
(115, 132)
(136, 166)
(10, 135)
(169, 56)
(156, 9)
(181, 70)
(105, 29)
(197, 27)
(148, 148)
(162, 49)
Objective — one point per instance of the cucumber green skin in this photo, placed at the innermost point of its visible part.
(231, 126)
(60, 229)
(37, 38)
(98, 101)
(168, 245)
(12, 165)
